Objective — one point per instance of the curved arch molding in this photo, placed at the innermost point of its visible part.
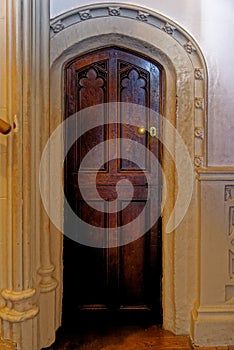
(168, 27)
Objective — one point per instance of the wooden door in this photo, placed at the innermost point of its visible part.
(122, 277)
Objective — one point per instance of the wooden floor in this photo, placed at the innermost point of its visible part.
(126, 338)
(123, 338)
(119, 331)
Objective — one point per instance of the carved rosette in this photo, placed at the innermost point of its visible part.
(199, 133)
(168, 28)
(189, 47)
(198, 74)
(57, 27)
(114, 11)
(85, 15)
(199, 103)
(198, 161)
(142, 16)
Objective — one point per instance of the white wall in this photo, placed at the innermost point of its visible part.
(211, 23)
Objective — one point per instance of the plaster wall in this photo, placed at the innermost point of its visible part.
(210, 23)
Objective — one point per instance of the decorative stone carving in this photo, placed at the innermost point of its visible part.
(143, 16)
(18, 301)
(7, 345)
(57, 27)
(114, 11)
(231, 264)
(198, 161)
(47, 283)
(85, 15)
(189, 47)
(231, 222)
(229, 193)
(168, 28)
(131, 13)
(199, 103)
(199, 73)
(157, 21)
(229, 289)
(199, 132)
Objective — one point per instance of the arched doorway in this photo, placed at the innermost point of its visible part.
(185, 98)
(125, 276)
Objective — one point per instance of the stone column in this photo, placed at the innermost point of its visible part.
(28, 244)
(47, 283)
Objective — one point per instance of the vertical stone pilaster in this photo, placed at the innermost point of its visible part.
(28, 244)
(47, 282)
(19, 292)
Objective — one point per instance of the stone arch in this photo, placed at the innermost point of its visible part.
(159, 38)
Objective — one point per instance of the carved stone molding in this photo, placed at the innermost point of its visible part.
(14, 316)
(229, 288)
(231, 223)
(199, 133)
(199, 73)
(57, 27)
(229, 193)
(143, 16)
(14, 296)
(189, 47)
(7, 345)
(198, 161)
(84, 15)
(168, 28)
(47, 283)
(114, 11)
(199, 102)
(231, 264)
(216, 174)
(149, 39)
(19, 305)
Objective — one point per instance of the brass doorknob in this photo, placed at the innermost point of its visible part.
(5, 127)
(152, 131)
(141, 130)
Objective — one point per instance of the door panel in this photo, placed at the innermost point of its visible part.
(126, 277)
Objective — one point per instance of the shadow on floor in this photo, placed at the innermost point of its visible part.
(118, 335)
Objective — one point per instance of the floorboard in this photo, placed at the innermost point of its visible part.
(119, 336)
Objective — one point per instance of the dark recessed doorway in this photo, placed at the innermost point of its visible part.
(122, 281)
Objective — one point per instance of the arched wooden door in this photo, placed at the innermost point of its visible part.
(126, 277)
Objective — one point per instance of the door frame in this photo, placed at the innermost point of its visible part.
(182, 64)
(156, 313)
